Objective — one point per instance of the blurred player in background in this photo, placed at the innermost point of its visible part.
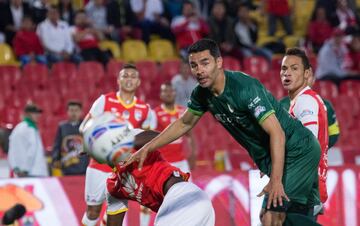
(308, 107)
(167, 113)
(126, 106)
(159, 186)
(279, 145)
(333, 125)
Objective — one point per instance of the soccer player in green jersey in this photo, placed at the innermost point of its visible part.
(333, 129)
(279, 145)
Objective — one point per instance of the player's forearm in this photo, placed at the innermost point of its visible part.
(277, 152)
(170, 134)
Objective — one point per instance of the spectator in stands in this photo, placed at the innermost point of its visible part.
(122, 18)
(56, 38)
(203, 7)
(87, 39)
(150, 19)
(346, 17)
(331, 62)
(39, 10)
(353, 57)
(222, 30)
(188, 28)
(172, 8)
(66, 11)
(97, 12)
(246, 31)
(26, 151)
(183, 83)
(278, 10)
(69, 143)
(11, 16)
(27, 45)
(319, 29)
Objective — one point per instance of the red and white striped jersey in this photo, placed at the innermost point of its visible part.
(309, 108)
(173, 152)
(137, 113)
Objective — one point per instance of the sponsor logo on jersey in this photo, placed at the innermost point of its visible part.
(164, 118)
(138, 115)
(129, 185)
(254, 102)
(306, 112)
(125, 115)
(258, 110)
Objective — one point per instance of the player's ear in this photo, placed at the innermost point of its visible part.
(307, 73)
(144, 137)
(219, 62)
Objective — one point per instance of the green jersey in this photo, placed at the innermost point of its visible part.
(334, 130)
(241, 108)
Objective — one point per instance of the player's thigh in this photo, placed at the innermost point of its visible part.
(272, 218)
(95, 185)
(300, 177)
(185, 204)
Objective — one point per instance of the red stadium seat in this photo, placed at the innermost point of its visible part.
(63, 73)
(35, 75)
(113, 68)
(231, 63)
(326, 89)
(257, 67)
(350, 88)
(170, 68)
(9, 75)
(90, 72)
(148, 71)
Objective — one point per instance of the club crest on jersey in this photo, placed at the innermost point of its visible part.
(138, 115)
(125, 115)
(259, 110)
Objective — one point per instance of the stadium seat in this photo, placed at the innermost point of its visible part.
(113, 47)
(231, 63)
(169, 68)
(350, 88)
(90, 72)
(257, 67)
(276, 61)
(134, 50)
(9, 75)
(291, 41)
(7, 56)
(148, 71)
(113, 68)
(326, 89)
(161, 50)
(35, 75)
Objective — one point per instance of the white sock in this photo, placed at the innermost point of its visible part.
(87, 222)
(144, 218)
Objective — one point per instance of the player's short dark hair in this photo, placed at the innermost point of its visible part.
(299, 53)
(74, 103)
(205, 44)
(129, 66)
(166, 83)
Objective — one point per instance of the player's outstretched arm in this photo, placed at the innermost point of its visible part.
(275, 188)
(171, 133)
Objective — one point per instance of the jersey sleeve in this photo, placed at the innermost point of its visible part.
(115, 205)
(150, 121)
(98, 107)
(195, 104)
(306, 110)
(256, 99)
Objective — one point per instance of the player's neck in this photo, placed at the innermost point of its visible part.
(219, 84)
(126, 97)
(293, 94)
(169, 107)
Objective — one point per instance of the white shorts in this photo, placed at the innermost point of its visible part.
(95, 186)
(182, 165)
(185, 204)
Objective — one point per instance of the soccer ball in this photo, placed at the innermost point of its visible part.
(108, 139)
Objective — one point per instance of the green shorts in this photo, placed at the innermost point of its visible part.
(300, 177)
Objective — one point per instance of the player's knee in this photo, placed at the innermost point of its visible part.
(93, 212)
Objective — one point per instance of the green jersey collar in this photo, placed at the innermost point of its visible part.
(30, 122)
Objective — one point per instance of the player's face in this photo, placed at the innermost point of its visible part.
(205, 67)
(128, 80)
(167, 94)
(292, 74)
(74, 113)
